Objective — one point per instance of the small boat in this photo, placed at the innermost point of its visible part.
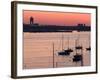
(68, 50)
(88, 49)
(77, 58)
(64, 53)
(78, 47)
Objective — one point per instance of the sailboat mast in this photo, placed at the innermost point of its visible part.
(76, 45)
(89, 40)
(53, 56)
(62, 40)
(68, 42)
(82, 57)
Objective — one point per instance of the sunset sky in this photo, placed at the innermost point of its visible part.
(57, 18)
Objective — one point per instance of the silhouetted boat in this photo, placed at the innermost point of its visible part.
(77, 46)
(65, 52)
(68, 50)
(88, 49)
(77, 58)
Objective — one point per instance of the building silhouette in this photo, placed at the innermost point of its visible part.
(31, 20)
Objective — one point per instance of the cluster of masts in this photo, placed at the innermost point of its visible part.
(78, 56)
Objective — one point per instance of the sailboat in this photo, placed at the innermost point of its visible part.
(78, 57)
(69, 49)
(65, 52)
(89, 48)
(78, 47)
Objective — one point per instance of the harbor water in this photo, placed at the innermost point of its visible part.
(40, 49)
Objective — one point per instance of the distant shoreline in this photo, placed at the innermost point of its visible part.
(54, 28)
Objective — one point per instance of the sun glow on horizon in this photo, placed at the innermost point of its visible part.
(57, 18)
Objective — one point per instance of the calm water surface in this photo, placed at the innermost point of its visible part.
(41, 49)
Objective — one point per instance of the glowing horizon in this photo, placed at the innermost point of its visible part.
(57, 18)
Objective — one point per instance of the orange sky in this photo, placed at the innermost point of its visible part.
(56, 18)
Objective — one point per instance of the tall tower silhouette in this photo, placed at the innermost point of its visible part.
(31, 20)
